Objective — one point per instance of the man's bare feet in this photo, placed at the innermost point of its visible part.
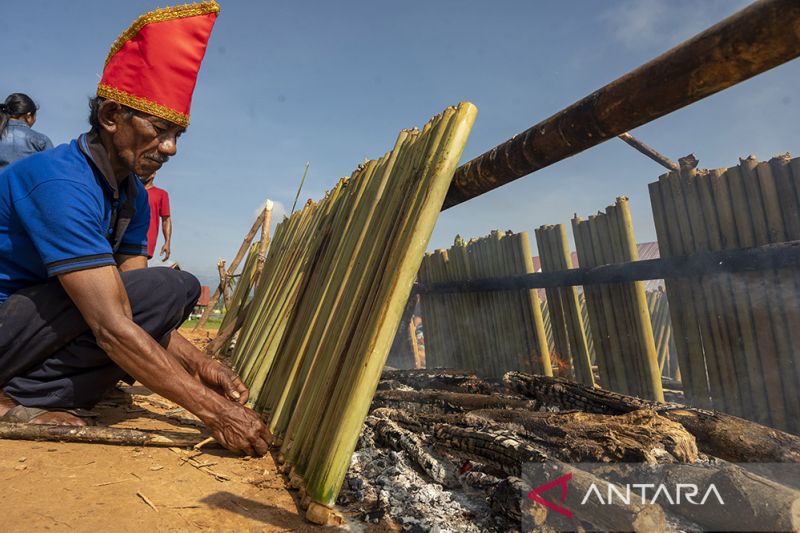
(60, 418)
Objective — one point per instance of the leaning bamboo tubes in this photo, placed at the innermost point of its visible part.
(492, 332)
(662, 332)
(747, 325)
(566, 313)
(618, 312)
(336, 279)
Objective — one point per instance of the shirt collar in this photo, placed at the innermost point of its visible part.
(94, 150)
(17, 122)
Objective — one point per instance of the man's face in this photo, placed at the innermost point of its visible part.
(144, 142)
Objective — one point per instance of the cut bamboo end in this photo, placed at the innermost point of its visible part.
(295, 481)
(323, 515)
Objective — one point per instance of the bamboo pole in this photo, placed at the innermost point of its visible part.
(649, 363)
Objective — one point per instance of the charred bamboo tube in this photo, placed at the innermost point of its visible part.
(785, 293)
(679, 295)
(766, 316)
(733, 316)
(696, 240)
(592, 296)
(731, 203)
(616, 339)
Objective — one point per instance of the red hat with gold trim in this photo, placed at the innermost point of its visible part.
(153, 66)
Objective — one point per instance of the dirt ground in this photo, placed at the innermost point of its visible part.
(88, 487)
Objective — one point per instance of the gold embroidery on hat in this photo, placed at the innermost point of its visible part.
(161, 15)
(142, 104)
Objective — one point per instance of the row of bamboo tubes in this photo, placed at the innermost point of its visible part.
(618, 313)
(737, 335)
(566, 317)
(490, 333)
(662, 332)
(329, 301)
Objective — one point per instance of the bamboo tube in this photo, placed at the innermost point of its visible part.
(644, 329)
(264, 243)
(535, 308)
(347, 411)
(621, 304)
(554, 304)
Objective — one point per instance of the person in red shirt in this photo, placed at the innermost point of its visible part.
(159, 209)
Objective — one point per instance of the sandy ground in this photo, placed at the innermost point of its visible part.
(87, 487)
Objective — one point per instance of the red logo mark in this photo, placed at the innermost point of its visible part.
(562, 481)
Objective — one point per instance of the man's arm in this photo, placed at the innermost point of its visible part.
(130, 262)
(100, 296)
(166, 229)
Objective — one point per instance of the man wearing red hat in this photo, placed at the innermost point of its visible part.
(79, 310)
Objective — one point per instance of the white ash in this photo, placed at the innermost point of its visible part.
(382, 481)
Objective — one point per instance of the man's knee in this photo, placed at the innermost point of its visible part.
(161, 298)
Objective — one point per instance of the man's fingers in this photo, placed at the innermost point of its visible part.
(243, 393)
(260, 447)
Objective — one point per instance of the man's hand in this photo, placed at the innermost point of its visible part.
(241, 430)
(223, 380)
(165, 252)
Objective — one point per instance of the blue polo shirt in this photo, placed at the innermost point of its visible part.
(59, 212)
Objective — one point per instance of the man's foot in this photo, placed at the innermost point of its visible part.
(11, 411)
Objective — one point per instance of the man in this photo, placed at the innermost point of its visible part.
(159, 211)
(80, 309)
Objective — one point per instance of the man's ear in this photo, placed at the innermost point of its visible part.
(110, 114)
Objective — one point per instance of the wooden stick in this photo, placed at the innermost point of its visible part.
(656, 156)
(94, 435)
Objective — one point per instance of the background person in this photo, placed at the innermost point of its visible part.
(159, 211)
(17, 139)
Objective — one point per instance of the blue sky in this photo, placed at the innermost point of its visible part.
(333, 83)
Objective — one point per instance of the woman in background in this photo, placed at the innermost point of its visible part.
(17, 139)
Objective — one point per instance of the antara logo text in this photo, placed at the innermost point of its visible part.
(621, 494)
(652, 493)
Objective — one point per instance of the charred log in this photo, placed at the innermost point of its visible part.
(719, 434)
(436, 402)
(441, 379)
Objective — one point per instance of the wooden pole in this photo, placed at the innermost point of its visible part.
(231, 270)
(656, 156)
(761, 36)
